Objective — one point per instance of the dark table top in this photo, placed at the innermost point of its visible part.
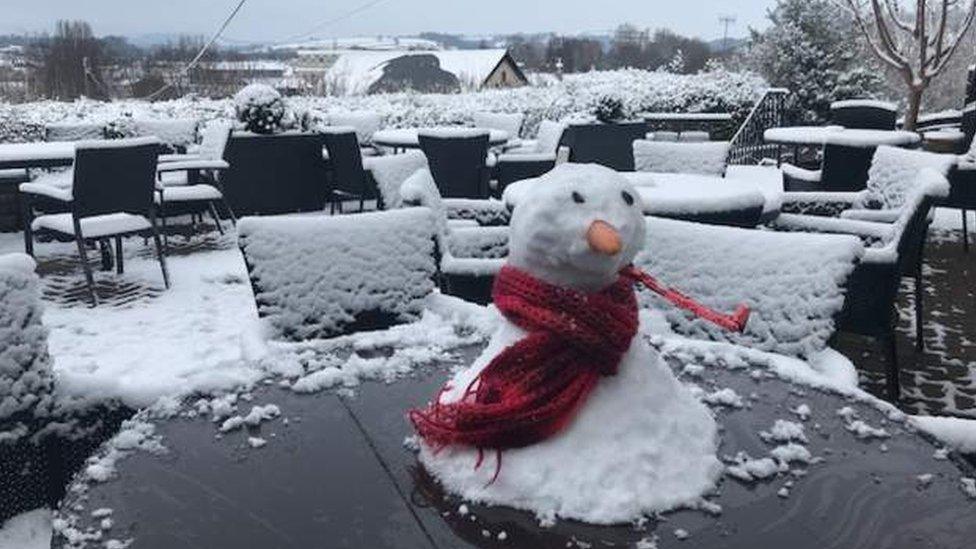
(337, 474)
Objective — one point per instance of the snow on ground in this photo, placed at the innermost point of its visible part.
(30, 530)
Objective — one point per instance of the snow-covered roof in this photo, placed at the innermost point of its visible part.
(355, 71)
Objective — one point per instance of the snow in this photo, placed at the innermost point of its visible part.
(641, 442)
(93, 226)
(669, 194)
(314, 275)
(791, 452)
(510, 123)
(784, 431)
(837, 135)
(957, 433)
(26, 379)
(723, 397)
(391, 171)
(30, 530)
(747, 469)
(793, 282)
(894, 173)
(864, 103)
(365, 123)
(708, 158)
(20, 152)
(410, 137)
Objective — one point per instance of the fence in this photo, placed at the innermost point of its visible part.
(748, 145)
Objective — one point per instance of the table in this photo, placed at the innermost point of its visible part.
(837, 135)
(51, 154)
(703, 198)
(408, 138)
(337, 475)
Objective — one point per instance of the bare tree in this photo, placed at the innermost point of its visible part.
(917, 41)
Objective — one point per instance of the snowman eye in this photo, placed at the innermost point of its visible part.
(628, 198)
(578, 198)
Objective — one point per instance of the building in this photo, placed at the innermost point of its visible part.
(355, 72)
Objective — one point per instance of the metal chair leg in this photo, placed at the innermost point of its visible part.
(119, 268)
(213, 213)
(27, 215)
(919, 313)
(892, 380)
(965, 231)
(160, 251)
(83, 255)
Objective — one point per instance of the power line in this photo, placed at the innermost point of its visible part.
(315, 28)
(202, 51)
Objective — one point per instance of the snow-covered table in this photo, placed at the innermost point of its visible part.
(37, 155)
(704, 198)
(837, 135)
(409, 138)
(337, 474)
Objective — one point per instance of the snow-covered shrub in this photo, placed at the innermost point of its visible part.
(26, 381)
(794, 282)
(713, 91)
(260, 108)
(320, 276)
(609, 109)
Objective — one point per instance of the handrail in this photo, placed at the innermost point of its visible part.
(747, 145)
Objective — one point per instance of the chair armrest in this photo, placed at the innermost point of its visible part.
(165, 158)
(796, 172)
(562, 155)
(190, 165)
(479, 242)
(878, 216)
(868, 231)
(533, 158)
(525, 146)
(39, 189)
(829, 204)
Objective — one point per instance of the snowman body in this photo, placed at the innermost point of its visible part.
(641, 442)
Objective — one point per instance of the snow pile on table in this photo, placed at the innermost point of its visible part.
(713, 91)
(894, 172)
(26, 381)
(707, 158)
(318, 276)
(794, 283)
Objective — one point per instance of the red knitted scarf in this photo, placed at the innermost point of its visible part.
(533, 388)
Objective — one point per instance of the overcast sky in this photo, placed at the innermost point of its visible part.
(283, 20)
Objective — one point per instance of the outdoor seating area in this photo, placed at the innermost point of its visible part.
(252, 314)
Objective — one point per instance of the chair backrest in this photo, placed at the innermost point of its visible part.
(968, 127)
(664, 136)
(176, 133)
(793, 282)
(549, 136)
(346, 160)
(707, 158)
(694, 136)
(610, 145)
(78, 131)
(114, 176)
(864, 114)
(214, 139)
(894, 173)
(390, 171)
(320, 276)
(510, 123)
(366, 123)
(275, 174)
(457, 162)
(845, 168)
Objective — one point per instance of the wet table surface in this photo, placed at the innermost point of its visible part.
(338, 474)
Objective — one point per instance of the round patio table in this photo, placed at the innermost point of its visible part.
(336, 474)
(409, 138)
(838, 135)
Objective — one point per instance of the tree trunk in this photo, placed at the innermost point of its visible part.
(914, 104)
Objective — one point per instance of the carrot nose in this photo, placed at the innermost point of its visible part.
(603, 238)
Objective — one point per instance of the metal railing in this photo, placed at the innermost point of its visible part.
(748, 145)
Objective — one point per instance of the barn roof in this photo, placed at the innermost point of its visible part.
(355, 71)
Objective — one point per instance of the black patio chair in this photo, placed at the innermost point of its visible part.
(843, 169)
(864, 114)
(111, 197)
(349, 178)
(532, 158)
(457, 162)
(275, 174)
(892, 217)
(610, 145)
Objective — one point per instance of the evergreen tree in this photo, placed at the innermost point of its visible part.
(809, 49)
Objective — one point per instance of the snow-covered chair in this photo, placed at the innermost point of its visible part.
(794, 283)
(191, 183)
(74, 131)
(457, 162)
(318, 276)
(366, 123)
(510, 123)
(112, 195)
(709, 158)
(843, 168)
(694, 136)
(349, 180)
(468, 255)
(388, 174)
(895, 235)
(531, 158)
(176, 134)
(865, 114)
(610, 145)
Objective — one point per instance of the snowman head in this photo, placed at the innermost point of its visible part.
(577, 227)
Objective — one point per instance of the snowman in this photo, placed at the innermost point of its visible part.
(569, 413)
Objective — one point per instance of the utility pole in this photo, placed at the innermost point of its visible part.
(726, 21)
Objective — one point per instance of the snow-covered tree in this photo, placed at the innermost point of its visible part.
(808, 49)
(917, 38)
